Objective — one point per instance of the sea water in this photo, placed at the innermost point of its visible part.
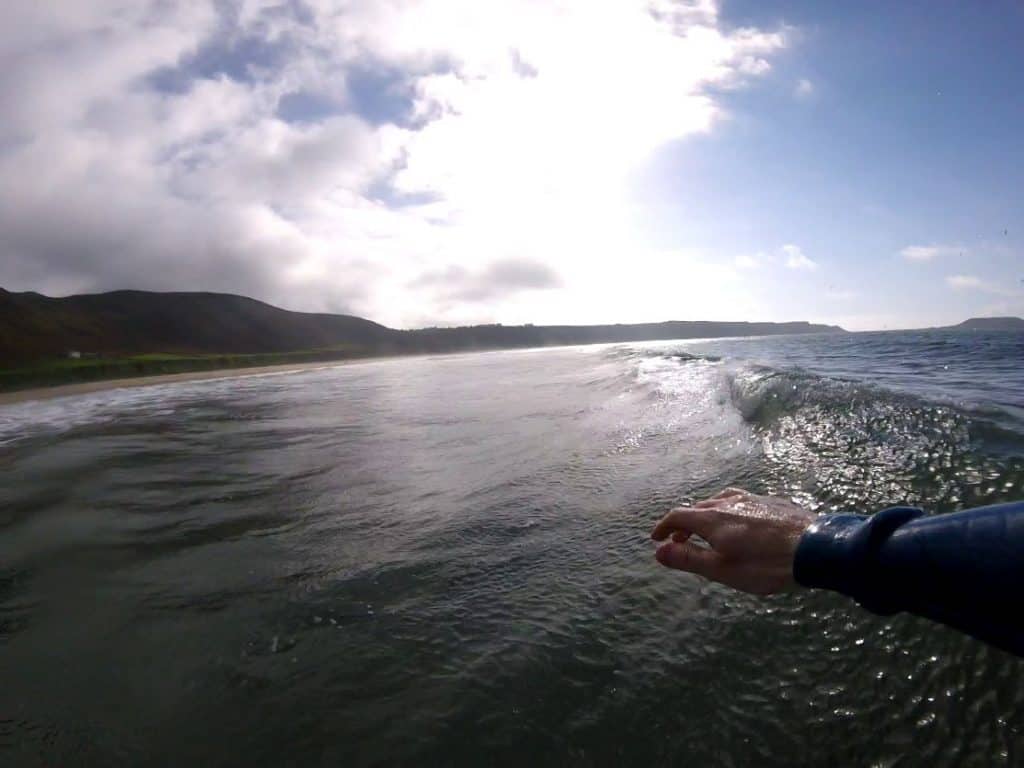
(445, 561)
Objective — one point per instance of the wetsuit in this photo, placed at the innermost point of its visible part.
(964, 569)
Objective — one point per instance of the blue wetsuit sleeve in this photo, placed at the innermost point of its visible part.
(964, 569)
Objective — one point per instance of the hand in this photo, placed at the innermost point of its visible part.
(753, 540)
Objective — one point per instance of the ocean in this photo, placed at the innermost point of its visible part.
(445, 561)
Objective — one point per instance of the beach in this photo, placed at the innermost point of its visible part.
(86, 387)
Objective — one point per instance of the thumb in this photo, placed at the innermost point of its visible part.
(685, 556)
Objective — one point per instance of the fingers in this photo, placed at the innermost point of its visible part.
(730, 491)
(691, 558)
(721, 496)
(686, 520)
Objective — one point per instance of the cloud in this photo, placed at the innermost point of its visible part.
(750, 260)
(754, 65)
(964, 281)
(974, 283)
(795, 258)
(318, 154)
(928, 252)
(790, 256)
(803, 89)
(499, 279)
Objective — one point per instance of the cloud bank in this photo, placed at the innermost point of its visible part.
(409, 161)
(928, 252)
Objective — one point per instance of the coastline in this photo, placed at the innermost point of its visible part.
(53, 391)
(87, 387)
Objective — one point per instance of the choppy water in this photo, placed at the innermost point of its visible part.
(444, 561)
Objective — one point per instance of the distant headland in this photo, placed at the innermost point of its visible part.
(991, 324)
(47, 340)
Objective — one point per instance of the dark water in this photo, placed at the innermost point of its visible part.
(444, 561)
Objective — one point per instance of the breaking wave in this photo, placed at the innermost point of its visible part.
(852, 444)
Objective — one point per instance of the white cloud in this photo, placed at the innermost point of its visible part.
(141, 146)
(964, 281)
(751, 260)
(803, 88)
(796, 259)
(975, 283)
(754, 65)
(928, 252)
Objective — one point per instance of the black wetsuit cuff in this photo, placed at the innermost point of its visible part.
(840, 552)
(826, 554)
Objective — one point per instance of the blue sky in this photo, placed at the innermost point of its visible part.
(910, 133)
(447, 161)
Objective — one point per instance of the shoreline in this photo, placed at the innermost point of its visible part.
(87, 387)
(52, 392)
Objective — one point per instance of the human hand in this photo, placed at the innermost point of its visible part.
(753, 540)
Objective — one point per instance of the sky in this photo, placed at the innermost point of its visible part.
(443, 162)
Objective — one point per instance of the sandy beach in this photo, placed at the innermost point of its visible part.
(85, 387)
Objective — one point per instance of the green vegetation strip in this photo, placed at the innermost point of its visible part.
(70, 371)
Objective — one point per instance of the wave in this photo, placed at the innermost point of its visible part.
(856, 445)
(763, 394)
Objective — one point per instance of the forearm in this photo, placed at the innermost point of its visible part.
(964, 569)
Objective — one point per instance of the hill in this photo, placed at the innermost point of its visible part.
(119, 323)
(34, 327)
(991, 324)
